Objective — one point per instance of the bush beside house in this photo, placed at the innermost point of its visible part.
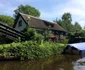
(30, 49)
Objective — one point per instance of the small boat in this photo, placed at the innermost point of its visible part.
(76, 49)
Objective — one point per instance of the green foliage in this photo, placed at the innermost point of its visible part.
(32, 34)
(75, 31)
(68, 26)
(64, 41)
(80, 34)
(66, 23)
(67, 17)
(44, 33)
(29, 35)
(78, 28)
(37, 35)
(31, 49)
(76, 37)
(28, 10)
(7, 19)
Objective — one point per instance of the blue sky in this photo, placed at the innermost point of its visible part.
(50, 9)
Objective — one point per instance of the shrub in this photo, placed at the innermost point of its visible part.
(64, 41)
(31, 49)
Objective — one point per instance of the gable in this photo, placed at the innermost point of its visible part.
(20, 24)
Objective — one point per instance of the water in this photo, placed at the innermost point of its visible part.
(51, 63)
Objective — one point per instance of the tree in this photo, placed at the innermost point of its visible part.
(65, 22)
(67, 17)
(77, 27)
(28, 10)
(7, 19)
(75, 32)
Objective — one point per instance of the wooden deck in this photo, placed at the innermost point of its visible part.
(9, 32)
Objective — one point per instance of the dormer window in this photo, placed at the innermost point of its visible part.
(20, 23)
(51, 25)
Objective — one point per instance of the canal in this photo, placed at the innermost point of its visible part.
(51, 63)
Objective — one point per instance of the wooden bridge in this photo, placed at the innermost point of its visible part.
(9, 33)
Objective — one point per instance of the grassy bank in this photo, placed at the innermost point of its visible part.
(31, 49)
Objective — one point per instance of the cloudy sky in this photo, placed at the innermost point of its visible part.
(50, 9)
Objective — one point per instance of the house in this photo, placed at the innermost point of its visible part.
(23, 21)
(75, 49)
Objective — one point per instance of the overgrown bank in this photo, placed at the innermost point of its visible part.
(30, 50)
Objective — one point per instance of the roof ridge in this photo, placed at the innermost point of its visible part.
(54, 23)
(38, 18)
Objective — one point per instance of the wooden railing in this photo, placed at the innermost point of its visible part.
(10, 31)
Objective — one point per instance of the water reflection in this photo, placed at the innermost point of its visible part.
(51, 63)
(79, 64)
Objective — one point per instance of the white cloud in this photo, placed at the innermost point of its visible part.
(6, 8)
(82, 23)
(56, 10)
(75, 7)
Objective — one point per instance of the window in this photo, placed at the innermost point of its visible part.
(20, 23)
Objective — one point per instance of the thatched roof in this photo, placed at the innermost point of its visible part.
(35, 22)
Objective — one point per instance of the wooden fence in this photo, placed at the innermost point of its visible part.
(9, 32)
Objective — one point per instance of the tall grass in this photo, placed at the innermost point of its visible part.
(31, 49)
